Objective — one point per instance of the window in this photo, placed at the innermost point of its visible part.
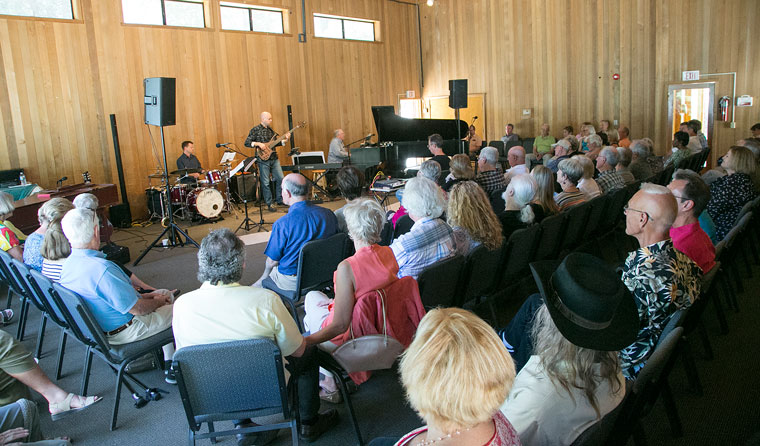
(335, 27)
(241, 17)
(187, 13)
(49, 9)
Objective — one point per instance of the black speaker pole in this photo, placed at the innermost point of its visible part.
(119, 166)
(290, 126)
(459, 132)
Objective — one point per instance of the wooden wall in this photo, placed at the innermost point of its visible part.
(60, 81)
(557, 57)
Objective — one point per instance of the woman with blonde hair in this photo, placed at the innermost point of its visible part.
(470, 215)
(729, 193)
(456, 374)
(460, 170)
(545, 196)
(53, 209)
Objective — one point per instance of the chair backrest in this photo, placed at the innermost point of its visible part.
(231, 380)
(614, 212)
(81, 318)
(697, 308)
(439, 283)
(318, 261)
(479, 273)
(521, 248)
(577, 216)
(552, 233)
(527, 144)
(498, 145)
(19, 271)
(43, 287)
(598, 208)
(748, 206)
(6, 274)
(737, 229)
(403, 225)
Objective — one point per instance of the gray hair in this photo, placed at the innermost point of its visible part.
(640, 149)
(594, 139)
(572, 169)
(295, 189)
(586, 164)
(364, 220)
(6, 204)
(490, 154)
(525, 188)
(53, 209)
(423, 198)
(625, 155)
(86, 201)
(79, 226)
(221, 258)
(610, 155)
(430, 169)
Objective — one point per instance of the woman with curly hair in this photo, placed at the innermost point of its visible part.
(470, 215)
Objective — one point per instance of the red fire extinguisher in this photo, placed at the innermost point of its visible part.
(723, 105)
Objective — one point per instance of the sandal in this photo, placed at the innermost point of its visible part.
(6, 316)
(333, 397)
(64, 407)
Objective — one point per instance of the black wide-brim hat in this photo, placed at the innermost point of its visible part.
(588, 302)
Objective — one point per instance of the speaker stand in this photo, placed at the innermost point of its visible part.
(459, 134)
(175, 232)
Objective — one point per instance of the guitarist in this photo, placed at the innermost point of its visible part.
(258, 138)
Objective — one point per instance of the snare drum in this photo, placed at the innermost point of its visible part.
(207, 202)
(214, 176)
(178, 193)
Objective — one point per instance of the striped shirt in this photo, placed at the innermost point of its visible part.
(566, 200)
(429, 241)
(52, 269)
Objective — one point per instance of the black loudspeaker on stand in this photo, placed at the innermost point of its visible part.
(457, 100)
(120, 215)
(160, 111)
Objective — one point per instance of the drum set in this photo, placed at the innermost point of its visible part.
(190, 198)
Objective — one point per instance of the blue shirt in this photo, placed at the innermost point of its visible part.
(32, 255)
(303, 223)
(103, 285)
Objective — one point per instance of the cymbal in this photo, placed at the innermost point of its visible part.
(185, 171)
(156, 175)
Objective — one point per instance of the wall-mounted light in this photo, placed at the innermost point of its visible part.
(430, 2)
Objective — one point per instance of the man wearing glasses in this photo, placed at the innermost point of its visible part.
(692, 195)
(661, 279)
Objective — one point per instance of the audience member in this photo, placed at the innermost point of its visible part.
(9, 241)
(587, 129)
(124, 315)
(570, 172)
(680, 150)
(625, 134)
(456, 375)
(435, 145)
(545, 194)
(472, 219)
(460, 170)
(639, 166)
(692, 196)
(19, 372)
(303, 223)
(429, 169)
(613, 137)
(594, 145)
(542, 146)
(609, 179)
(350, 184)
(587, 183)
(696, 127)
(567, 131)
(661, 279)
(8, 224)
(755, 129)
(730, 192)
(508, 135)
(516, 159)
(518, 212)
(604, 125)
(489, 175)
(21, 421)
(656, 163)
(52, 210)
(562, 150)
(55, 248)
(625, 157)
(430, 238)
(572, 377)
(222, 310)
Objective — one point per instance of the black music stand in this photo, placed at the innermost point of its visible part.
(248, 223)
(175, 232)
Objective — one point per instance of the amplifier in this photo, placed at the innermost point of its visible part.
(238, 193)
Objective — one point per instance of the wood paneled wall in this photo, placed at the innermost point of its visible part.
(60, 81)
(557, 57)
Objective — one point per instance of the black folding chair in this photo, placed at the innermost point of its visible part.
(234, 380)
(439, 283)
(480, 274)
(552, 234)
(14, 287)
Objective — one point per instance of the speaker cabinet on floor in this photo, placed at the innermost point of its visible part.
(458, 93)
(237, 192)
(160, 100)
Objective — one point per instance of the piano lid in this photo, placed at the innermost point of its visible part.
(392, 127)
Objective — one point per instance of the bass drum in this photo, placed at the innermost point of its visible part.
(206, 202)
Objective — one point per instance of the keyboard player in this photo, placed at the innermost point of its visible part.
(338, 153)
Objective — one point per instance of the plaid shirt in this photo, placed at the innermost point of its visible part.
(261, 134)
(662, 280)
(610, 180)
(491, 181)
(429, 241)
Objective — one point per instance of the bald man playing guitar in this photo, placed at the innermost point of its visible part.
(261, 138)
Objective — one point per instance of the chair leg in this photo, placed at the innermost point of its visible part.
(190, 437)
(210, 431)
(719, 312)
(671, 410)
(86, 371)
(22, 319)
(293, 312)
(9, 300)
(692, 375)
(41, 336)
(119, 379)
(705, 341)
(349, 406)
(61, 351)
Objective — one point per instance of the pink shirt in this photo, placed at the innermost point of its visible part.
(504, 434)
(693, 241)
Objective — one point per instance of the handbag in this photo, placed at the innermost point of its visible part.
(370, 352)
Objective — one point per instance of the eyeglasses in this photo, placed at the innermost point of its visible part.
(679, 197)
(626, 209)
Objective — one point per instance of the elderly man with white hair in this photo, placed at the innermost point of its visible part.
(124, 315)
(430, 238)
(639, 166)
(489, 175)
(516, 159)
(609, 179)
(661, 278)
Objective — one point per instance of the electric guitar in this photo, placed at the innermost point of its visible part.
(266, 152)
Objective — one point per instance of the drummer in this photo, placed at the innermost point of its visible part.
(189, 161)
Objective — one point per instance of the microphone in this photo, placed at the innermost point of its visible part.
(474, 118)
(219, 144)
(63, 179)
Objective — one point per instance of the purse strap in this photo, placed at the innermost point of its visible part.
(381, 293)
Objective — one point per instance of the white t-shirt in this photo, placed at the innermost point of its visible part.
(516, 170)
(543, 414)
(695, 145)
(232, 312)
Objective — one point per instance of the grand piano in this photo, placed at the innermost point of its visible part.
(401, 138)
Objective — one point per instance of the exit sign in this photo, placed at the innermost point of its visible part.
(690, 75)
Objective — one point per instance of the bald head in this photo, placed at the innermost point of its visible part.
(651, 213)
(516, 156)
(266, 119)
(294, 188)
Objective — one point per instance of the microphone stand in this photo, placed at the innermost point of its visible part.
(248, 223)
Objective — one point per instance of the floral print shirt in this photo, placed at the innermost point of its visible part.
(662, 280)
(728, 194)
